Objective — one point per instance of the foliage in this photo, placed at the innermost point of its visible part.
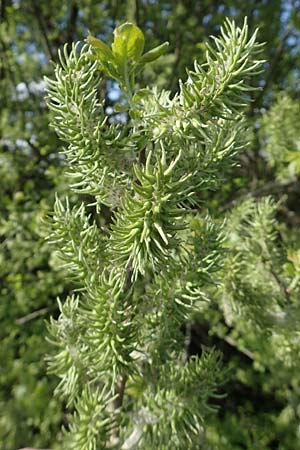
(123, 327)
(261, 406)
(258, 294)
(280, 134)
(30, 283)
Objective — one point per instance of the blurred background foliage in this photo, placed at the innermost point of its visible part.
(255, 414)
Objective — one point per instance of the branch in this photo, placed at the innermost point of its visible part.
(201, 336)
(271, 71)
(120, 392)
(268, 188)
(33, 315)
(233, 343)
(285, 291)
(31, 448)
(71, 29)
(117, 404)
(41, 22)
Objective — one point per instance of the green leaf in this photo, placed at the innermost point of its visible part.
(155, 53)
(103, 51)
(129, 42)
(142, 93)
(119, 107)
(290, 269)
(109, 69)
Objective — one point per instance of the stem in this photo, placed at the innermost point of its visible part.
(116, 405)
(281, 285)
(33, 315)
(127, 90)
(120, 392)
(187, 341)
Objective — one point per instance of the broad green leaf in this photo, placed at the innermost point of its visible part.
(102, 49)
(129, 42)
(155, 53)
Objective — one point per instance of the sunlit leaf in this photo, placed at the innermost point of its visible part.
(129, 42)
(103, 51)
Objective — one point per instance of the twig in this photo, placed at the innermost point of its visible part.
(41, 22)
(33, 315)
(115, 405)
(281, 285)
(31, 448)
(187, 342)
(268, 188)
(232, 343)
(71, 28)
(271, 71)
(120, 392)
